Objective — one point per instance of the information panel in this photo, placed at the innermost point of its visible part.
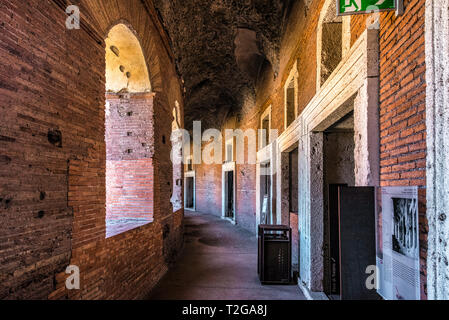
(363, 6)
(398, 244)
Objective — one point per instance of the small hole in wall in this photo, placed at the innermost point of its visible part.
(129, 134)
(163, 139)
(42, 195)
(129, 151)
(115, 50)
(41, 214)
(55, 138)
(130, 114)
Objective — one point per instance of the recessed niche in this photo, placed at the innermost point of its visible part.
(55, 138)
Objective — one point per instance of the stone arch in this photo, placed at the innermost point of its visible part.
(133, 14)
(177, 140)
(126, 66)
(129, 132)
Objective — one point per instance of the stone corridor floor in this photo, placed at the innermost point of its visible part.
(219, 262)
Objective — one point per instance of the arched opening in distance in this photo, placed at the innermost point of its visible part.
(128, 135)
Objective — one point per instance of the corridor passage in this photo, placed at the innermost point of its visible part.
(219, 262)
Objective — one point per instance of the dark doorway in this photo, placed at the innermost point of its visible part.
(190, 193)
(229, 193)
(334, 241)
(339, 169)
(352, 241)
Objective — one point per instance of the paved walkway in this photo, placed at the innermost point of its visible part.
(219, 262)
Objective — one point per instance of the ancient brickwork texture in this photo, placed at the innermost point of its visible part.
(129, 165)
(208, 188)
(53, 156)
(130, 189)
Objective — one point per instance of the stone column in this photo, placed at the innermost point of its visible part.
(437, 121)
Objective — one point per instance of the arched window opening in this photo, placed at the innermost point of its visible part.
(128, 134)
(126, 69)
(291, 97)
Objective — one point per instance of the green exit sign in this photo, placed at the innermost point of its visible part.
(347, 7)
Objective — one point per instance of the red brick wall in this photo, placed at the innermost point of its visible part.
(246, 181)
(208, 188)
(129, 126)
(52, 212)
(129, 167)
(129, 184)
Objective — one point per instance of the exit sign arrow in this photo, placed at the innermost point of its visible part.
(348, 7)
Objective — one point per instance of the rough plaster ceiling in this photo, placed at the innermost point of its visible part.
(220, 47)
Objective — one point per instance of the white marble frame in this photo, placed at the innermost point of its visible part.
(265, 114)
(230, 141)
(190, 174)
(293, 74)
(226, 167)
(437, 120)
(267, 154)
(286, 143)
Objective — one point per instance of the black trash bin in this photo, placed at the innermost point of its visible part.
(274, 254)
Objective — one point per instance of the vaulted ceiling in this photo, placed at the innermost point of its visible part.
(220, 46)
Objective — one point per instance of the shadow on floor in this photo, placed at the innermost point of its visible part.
(219, 262)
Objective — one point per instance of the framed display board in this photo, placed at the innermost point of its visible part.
(398, 244)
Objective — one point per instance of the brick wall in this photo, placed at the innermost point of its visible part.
(129, 166)
(208, 188)
(53, 156)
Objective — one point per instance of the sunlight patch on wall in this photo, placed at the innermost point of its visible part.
(126, 69)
